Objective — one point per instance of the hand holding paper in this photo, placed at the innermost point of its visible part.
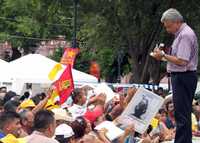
(113, 131)
(157, 52)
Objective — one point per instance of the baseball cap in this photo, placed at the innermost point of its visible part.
(64, 130)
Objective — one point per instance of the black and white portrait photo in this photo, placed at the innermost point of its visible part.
(141, 109)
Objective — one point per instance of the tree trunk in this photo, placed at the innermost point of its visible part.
(147, 67)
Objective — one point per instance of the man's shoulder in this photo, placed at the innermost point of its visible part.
(50, 140)
(36, 138)
(187, 31)
(40, 139)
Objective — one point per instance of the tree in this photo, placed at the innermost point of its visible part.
(26, 22)
(107, 29)
(126, 26)
(133, 27)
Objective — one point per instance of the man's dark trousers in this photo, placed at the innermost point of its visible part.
(183, 87)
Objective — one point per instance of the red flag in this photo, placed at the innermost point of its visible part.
(65, 85)
(69, 56)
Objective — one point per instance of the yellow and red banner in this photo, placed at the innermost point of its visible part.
(69, 56)
(64, 85)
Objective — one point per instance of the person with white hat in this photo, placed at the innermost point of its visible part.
(64, 134)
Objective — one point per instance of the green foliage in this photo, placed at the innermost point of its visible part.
(57, 54)
(114, 26)
(134, 27)
(105, 29)
(21, 19)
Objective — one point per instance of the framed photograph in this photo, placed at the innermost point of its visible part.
(141, 109)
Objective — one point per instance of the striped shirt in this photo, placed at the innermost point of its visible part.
(185, 47)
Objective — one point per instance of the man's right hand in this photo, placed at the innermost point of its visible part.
(157, 54)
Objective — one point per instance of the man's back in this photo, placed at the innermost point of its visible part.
(38, 137)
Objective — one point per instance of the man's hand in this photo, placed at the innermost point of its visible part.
(122, 102)
(129, 130)
(103, 131)
(131, 91)
(98, 99)
(157, 54)
(102, 135)
(102, 97)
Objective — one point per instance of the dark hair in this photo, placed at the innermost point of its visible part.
(43, 119)
(162, 110)
(61, 139)
(7, 117)
(11, 106)
(25, 96)
(8, 96)
(38, 97)
(1, 102)
(108, 117)
(160, 89)
(167, 104)
(76, 95)
(3, 87)
(79, 126)
(160, 92)
(42, 95)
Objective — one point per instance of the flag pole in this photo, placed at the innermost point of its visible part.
(74, 42)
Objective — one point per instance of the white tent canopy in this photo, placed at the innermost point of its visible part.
(34, 68)
(3, 62)
(5, 71)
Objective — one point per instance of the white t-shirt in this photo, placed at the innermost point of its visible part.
(77, 110)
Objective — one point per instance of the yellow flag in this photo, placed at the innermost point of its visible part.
(52, 100)
(54, 96)
(54, 71)
(27, 103)
(154, 122)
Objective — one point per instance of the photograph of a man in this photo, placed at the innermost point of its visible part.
(141, 108)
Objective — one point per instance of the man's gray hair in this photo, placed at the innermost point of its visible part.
(172, 15)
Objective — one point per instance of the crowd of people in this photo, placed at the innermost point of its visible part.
(35, 119)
